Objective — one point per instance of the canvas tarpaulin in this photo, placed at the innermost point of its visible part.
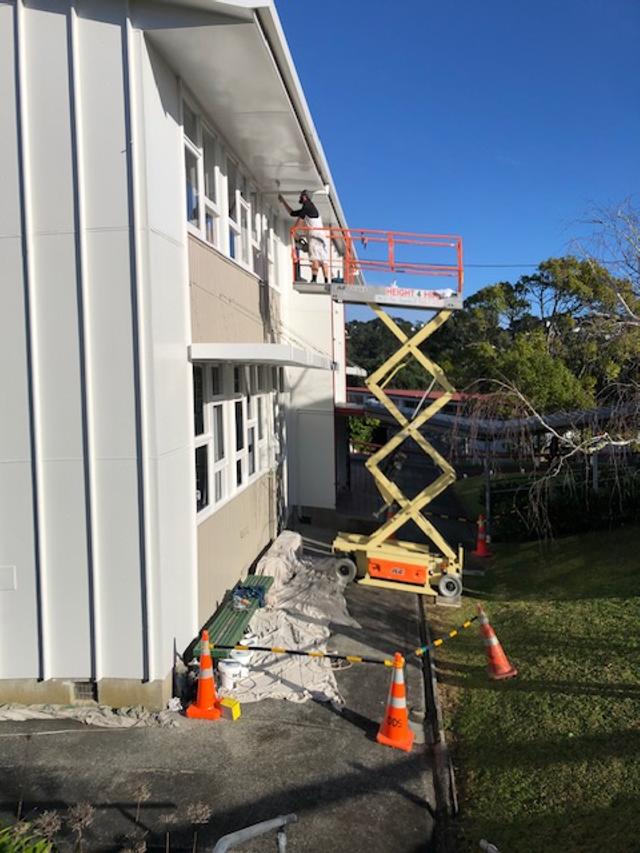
(307, 596)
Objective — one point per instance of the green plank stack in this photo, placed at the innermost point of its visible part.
(227, 625)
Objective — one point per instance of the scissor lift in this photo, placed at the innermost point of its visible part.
(382, 560)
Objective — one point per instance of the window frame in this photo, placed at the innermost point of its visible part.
(253, 232)
(196, 148)
(256, 397)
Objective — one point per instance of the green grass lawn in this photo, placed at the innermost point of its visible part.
(550, 761)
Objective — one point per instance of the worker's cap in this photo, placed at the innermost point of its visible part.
(304, 194)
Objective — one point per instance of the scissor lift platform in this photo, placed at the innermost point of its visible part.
(380, 559)
(401, 297)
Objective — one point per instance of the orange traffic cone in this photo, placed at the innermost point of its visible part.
(499, 666)
(482, 549)
(206, 706)
(394, 729)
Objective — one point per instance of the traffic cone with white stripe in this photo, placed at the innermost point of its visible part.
(482, 548)
(394, 729)
(499, 665)
(206, 706)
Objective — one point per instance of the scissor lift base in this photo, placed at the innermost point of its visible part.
(404, 553)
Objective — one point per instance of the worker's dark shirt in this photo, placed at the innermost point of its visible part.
(308, 209)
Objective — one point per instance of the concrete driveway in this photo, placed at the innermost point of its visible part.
(350, 794)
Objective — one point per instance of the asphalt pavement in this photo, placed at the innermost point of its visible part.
(348, 792)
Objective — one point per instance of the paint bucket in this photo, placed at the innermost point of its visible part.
(242, 657)
(230, 672)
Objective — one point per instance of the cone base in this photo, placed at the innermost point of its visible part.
(482, 554)
(404, 743)
(195, 713)
(499, 676)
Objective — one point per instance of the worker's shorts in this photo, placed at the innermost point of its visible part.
(318, 249)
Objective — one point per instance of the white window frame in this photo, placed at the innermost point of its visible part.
(250, 228)
(240, 455)
(272, 241)
(256, 397)
(204, 439)
(218, 466)
(211, 206)
(206, 205)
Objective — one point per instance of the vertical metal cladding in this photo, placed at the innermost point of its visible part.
(71, 454)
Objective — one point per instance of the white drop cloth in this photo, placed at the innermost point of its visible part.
(306, 596)
(92, 715)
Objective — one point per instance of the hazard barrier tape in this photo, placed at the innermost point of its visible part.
(453, 633)
(278, 650)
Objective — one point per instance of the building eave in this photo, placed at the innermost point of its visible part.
(277, 355)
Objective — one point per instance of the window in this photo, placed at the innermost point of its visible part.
(219, 459)
(193, 200)
(233, 432)
(272, 251)
(252, 451)
(198, 400)
(210, 187)
(201, 176)
(232, 188)
(216, 381)
(257, 234)
(245, 235)
(189, 123)
(260, 418)
(239, 425)
(239, 216)
(208, 171)
(238, 384)
(202, 477)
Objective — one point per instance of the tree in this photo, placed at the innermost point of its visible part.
(561, 334)
(615, 238)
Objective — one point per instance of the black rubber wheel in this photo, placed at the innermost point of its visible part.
(450, 586)
(345, 569)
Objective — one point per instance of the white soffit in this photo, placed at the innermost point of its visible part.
(226, 63)
(274, 354)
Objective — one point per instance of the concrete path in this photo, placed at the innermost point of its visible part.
(349, 793)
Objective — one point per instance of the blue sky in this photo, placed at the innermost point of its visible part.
(501, 121)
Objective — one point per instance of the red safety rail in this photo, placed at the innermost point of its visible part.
(349, 252)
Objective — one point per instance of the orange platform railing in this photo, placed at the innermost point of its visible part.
(351, 252)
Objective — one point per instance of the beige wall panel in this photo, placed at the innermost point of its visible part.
(228, 305)
(230, 540)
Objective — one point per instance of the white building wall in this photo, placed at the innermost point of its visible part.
(311, 421)
(169, 404)
(97, 334)
(54, 284)
(107, 280)
(97, 516)
(19, 612)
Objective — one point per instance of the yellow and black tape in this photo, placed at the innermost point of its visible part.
(278, 650)
(440, 640)
(316, 653)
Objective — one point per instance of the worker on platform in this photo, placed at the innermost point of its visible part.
(309, 217)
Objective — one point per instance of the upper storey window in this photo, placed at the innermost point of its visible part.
(202, 176)
(224, 208)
